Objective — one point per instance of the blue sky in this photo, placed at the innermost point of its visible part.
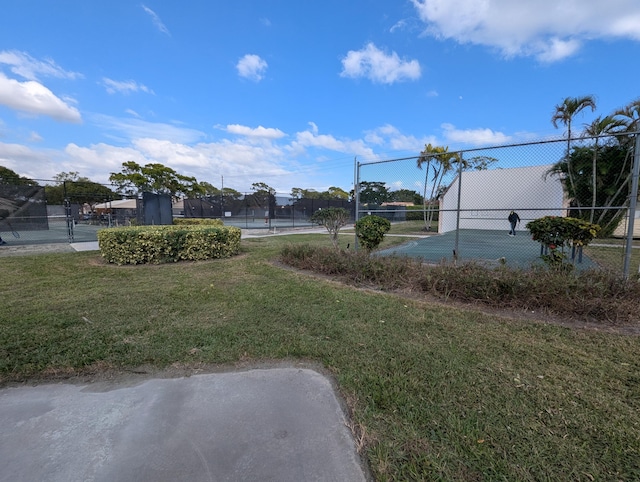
(289, 92)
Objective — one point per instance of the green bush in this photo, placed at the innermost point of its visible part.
(197, 222)
(371, 230)
(593, 295)
(555, 233)
(162, 244)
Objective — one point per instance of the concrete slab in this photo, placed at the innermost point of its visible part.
(282, 424)
(86, 246)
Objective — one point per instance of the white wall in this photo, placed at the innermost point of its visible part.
(488, 197)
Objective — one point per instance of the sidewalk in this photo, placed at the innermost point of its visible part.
(279, 424)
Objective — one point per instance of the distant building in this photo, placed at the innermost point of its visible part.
(487, 197)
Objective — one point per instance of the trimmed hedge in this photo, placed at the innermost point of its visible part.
(164, 244)
(197, 222)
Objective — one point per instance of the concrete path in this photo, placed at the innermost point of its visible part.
(282, 424)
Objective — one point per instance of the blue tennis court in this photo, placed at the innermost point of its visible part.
(488, 247)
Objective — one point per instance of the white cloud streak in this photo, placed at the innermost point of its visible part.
(259, 132)
(252, 67)
(156, 20)
(378, 66)
(33, 98)
(549, 30)
(22, 64)
(124, 87)
(474, 137)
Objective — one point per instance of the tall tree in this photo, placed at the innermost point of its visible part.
(564, 114)
(613, 178)
(78, 189)
(156, 178)
(373, 192)
(441, 162)
(600, 126)
(7, 176)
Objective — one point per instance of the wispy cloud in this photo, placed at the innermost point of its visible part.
(132, 128)
(378, 66)
(549, 30)
(252, 67)
(156, 20)
(474, 137)
(22, 64)
(261, 132)
(35, 99)
(124, 87)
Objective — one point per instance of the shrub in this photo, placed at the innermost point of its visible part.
(371, 230)
(197, 222)
(593, 295)
(332, 219)
(555, 233)
(162, 244)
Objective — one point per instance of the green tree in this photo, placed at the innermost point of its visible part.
(7, 176)
(613, 180)
(406, 196)
(441, 161)
(600, 126)
(78, 190)
(263, 195)
(333, 219)
(337, 193)
(156, 178)
(564, 114)
(374, 193)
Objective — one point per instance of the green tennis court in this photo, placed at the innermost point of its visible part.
(482, 246)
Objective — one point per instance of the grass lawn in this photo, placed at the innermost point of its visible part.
(436, 393)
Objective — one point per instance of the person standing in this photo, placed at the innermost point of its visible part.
(514, 220)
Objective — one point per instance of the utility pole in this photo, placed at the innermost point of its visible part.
(222, 196)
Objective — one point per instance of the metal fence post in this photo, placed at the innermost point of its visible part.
(356, 196)
(633, 203)
(456, 245)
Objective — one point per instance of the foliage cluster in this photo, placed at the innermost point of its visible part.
(197, 222)
(594, 295)
(333, 219)
(162, 244)
(370, 231)
(556, 232)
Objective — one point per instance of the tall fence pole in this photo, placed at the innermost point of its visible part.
(633, 203)
(356, 196)
(456, 244)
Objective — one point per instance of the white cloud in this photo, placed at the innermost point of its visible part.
(124, 87)
(34, 98)
(25, 66)
(474, 137)
(132, 128)
(391, 138)
(549, 30)
(35, 137)
(156, 20)
(261, 132)
(312, 139)
(252, 67)
(378, 66)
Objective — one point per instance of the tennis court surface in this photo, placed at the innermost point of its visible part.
(488, 247)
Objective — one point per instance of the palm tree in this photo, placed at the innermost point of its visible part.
(426, 157)
(600, 126)
(564, 113)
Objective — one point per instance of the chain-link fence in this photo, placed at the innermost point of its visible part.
(467, 200)
(261, 210)
(74, 211)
